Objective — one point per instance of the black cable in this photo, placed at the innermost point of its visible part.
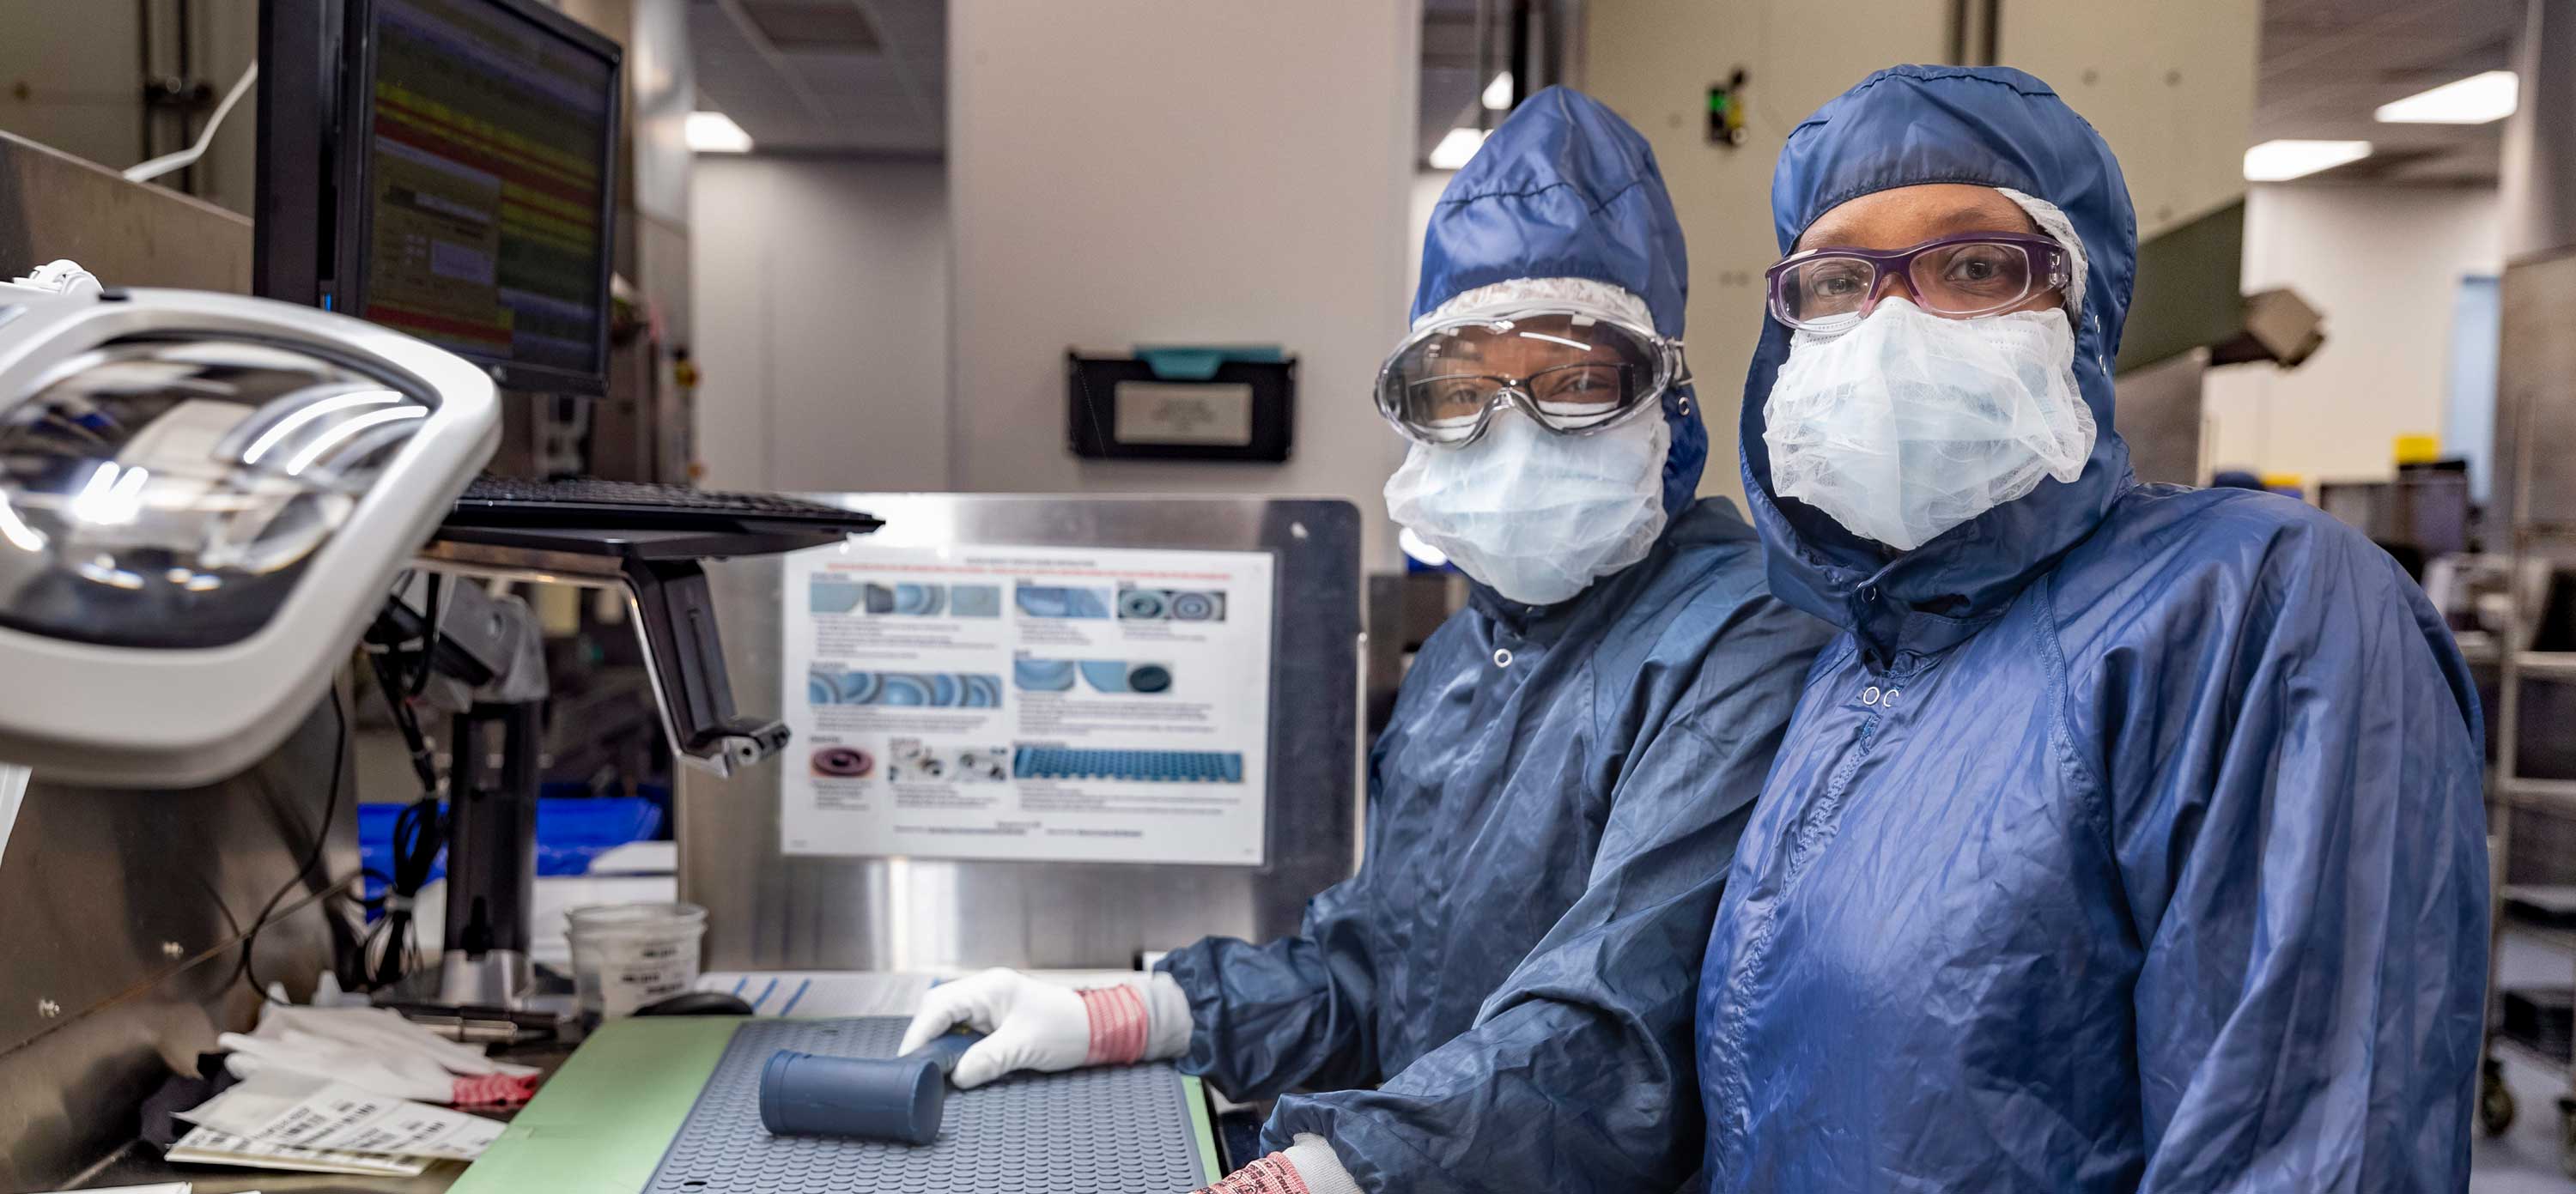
(419, 834)
(321, 841)
(424, 763)
(368, 872)
(429, 635)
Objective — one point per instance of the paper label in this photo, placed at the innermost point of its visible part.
(1036, 703)
(285, 1108)
(205, 1146)
(166, 1188)
(1152, 412)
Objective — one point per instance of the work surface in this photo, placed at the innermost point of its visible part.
(607, 1122)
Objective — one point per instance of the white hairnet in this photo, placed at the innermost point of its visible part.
(2062, 230)
(1529, 290)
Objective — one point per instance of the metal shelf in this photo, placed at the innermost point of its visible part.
(2558, 899)
(2536, 545)
(2543, 914)
(2556, 666)
(2545, 795)
(2531, 1052)
(2555, 940)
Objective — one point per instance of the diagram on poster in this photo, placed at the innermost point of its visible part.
(1043, 704)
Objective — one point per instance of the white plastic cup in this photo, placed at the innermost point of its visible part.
(625, 956)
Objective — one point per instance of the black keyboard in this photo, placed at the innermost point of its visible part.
(640, 505)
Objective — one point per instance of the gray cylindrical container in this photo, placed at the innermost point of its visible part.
(901, 1098)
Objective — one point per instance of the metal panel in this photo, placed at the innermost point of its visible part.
(2539, 159)
(2536, 392)
(769, 911)
(2186, 278)
(53, 205)
(2160, 416)
(121, 913)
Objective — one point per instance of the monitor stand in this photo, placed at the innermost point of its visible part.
(485, 986)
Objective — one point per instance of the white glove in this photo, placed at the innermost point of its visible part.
(1034, 1025)
(375, 1049)
(400, 1075)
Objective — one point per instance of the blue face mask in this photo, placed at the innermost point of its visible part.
(1535, 515)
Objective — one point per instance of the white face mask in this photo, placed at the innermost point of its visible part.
(1535, 515)
(1909, 424)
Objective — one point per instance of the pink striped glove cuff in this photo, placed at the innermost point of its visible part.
(1308, 1167)
(1118, 1025)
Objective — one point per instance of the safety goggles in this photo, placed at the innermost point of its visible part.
(1973, 273)
(1570, 369)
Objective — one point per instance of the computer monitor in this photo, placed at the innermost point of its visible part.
(443, 167)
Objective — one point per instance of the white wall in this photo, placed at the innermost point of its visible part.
(2384, 265)
(1652, 61)
(822, 323)
(1424, 196)
(2171, 86)
(1167, 172)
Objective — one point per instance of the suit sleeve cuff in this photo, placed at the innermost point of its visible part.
(1319, 1167)
(1167, 1017)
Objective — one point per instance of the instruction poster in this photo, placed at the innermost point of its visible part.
(1032, 703)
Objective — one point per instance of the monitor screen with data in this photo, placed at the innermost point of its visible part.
(479, 212)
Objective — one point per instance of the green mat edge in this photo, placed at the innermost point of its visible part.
(652, 1069)
(575, 1153)
(1202, 1127)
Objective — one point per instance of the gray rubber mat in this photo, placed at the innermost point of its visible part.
(1109, 1129)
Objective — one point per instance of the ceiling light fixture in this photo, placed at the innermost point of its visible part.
(1457, 149)
(715, 132)
(2280, 161)
(1420, 549)
(1498, 94)
(2478, 99)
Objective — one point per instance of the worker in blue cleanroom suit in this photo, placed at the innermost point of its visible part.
(2130, 837)
(1501, 998)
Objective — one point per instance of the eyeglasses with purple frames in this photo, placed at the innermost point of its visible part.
(1960, 276)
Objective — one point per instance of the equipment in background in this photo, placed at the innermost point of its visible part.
(2531, 789)
(501, 502)
(654, 554)
(489, 652)
(444, 167)
(203, 498)
(2277, 326)
(2477, 595)
(485, 667)
(1726, 111)
(1183, 403)
(2424, 512)
(206, 498)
